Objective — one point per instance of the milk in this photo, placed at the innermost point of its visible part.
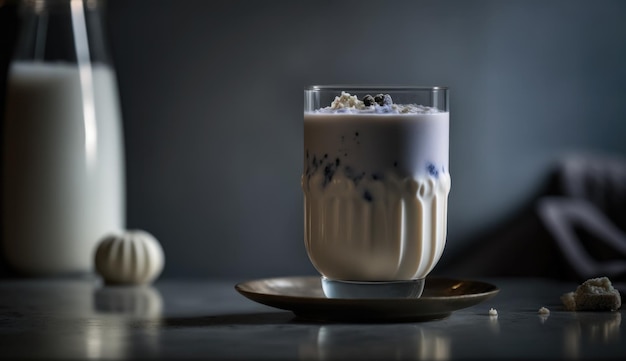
(375, 194)
(63, 180)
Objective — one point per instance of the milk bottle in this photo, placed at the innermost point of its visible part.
(63, 158)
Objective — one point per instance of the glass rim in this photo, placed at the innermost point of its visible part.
(382, 87)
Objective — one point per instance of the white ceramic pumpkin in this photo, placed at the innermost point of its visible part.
(133, 257)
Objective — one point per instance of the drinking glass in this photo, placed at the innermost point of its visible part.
(376, 182)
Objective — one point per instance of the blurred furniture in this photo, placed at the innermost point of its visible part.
(587, 219)
(574, 229)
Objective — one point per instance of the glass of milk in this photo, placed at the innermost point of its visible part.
(376, 182)
(63, 156)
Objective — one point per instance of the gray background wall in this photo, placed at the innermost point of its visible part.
(211, 96)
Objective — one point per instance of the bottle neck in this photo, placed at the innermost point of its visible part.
(68, 31)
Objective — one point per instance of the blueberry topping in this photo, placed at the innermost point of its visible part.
(329, 172)
(387, 100)
(383, 99)
(367, 195)
(368, 100)
(337, 162)
(432, 170)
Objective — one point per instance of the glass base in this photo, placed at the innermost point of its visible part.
(372, 289)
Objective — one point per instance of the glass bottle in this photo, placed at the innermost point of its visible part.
(63, 165)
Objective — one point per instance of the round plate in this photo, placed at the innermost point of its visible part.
(305, 298)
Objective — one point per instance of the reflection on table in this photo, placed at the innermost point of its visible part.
(210, 320)
(591, 328)
(400, 341)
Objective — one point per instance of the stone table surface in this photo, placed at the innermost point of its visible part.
(208, 319)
